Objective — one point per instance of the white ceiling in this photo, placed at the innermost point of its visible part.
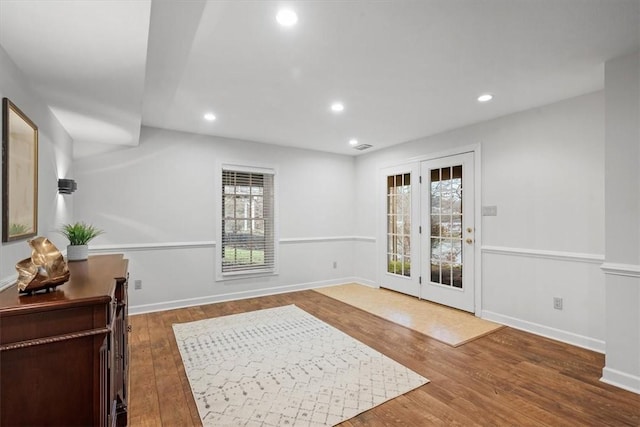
(86, 58)
(403, 69)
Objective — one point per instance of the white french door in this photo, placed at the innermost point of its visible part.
(429, 229)
(448, 231)
(400, 257)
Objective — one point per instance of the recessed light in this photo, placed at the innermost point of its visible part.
(353, 142)
(210, 117)
(287, 18)
(486, 97)
(337, 107)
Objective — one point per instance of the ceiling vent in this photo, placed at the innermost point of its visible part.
(363, 146)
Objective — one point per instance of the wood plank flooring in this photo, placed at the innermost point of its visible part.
(507, 378)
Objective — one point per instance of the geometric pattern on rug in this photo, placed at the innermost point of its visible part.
(284, 367)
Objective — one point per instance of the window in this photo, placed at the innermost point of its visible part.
(399, 224)
(446, 226)
(247, 243)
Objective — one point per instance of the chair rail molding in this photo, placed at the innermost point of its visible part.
(287, 240)
(628, 270)
(546, 254)
(131, 247)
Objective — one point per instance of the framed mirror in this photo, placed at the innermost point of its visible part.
(19, 174)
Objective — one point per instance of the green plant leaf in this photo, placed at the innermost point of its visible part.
(79, 233)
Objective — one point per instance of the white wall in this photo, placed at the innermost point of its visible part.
(156, 203)
(622, 266)
(544, 170)
(54, 159)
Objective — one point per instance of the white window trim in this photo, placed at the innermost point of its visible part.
(253, 168)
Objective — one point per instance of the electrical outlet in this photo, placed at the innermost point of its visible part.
(335, 264)
(557, 303)
(137, 284)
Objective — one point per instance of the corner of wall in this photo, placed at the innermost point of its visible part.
(54, 161)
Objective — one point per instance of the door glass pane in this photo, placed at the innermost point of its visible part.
(456, 251)
(445, 192)
(446, 274)
(456, 226)
(399, 224)
(445, 173)
(435, 225)
(435, 272)
(456, 190)
(435, 191)
(457, 276)
(446, 225)
(392, 264)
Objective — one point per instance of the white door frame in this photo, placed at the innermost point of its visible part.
(381, 223)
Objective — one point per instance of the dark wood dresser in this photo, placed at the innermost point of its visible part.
(64, 354)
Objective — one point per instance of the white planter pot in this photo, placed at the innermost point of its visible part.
(77, 252)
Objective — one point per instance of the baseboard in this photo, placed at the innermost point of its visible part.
(349, 280)
(233, 296)
(620, 379)
(546, 331)
(365, 282)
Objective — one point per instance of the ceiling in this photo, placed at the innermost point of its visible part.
(403, 69)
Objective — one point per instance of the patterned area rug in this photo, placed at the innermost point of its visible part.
(284, 367)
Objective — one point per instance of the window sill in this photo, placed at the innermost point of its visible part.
(224, 277)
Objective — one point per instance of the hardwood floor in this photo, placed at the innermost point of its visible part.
(447, 325)
(507, 378)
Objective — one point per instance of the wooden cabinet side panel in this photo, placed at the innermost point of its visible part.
(46, 384)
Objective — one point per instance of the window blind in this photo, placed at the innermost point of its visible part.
(247, 222)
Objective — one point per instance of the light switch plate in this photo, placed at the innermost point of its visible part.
(489, 211)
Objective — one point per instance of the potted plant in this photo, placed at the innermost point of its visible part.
(79, 234)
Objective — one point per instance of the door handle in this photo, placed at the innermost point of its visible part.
(469, 240)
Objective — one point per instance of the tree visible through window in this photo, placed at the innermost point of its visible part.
(247, 222)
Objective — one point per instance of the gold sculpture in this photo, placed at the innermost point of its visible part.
(44, 270)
